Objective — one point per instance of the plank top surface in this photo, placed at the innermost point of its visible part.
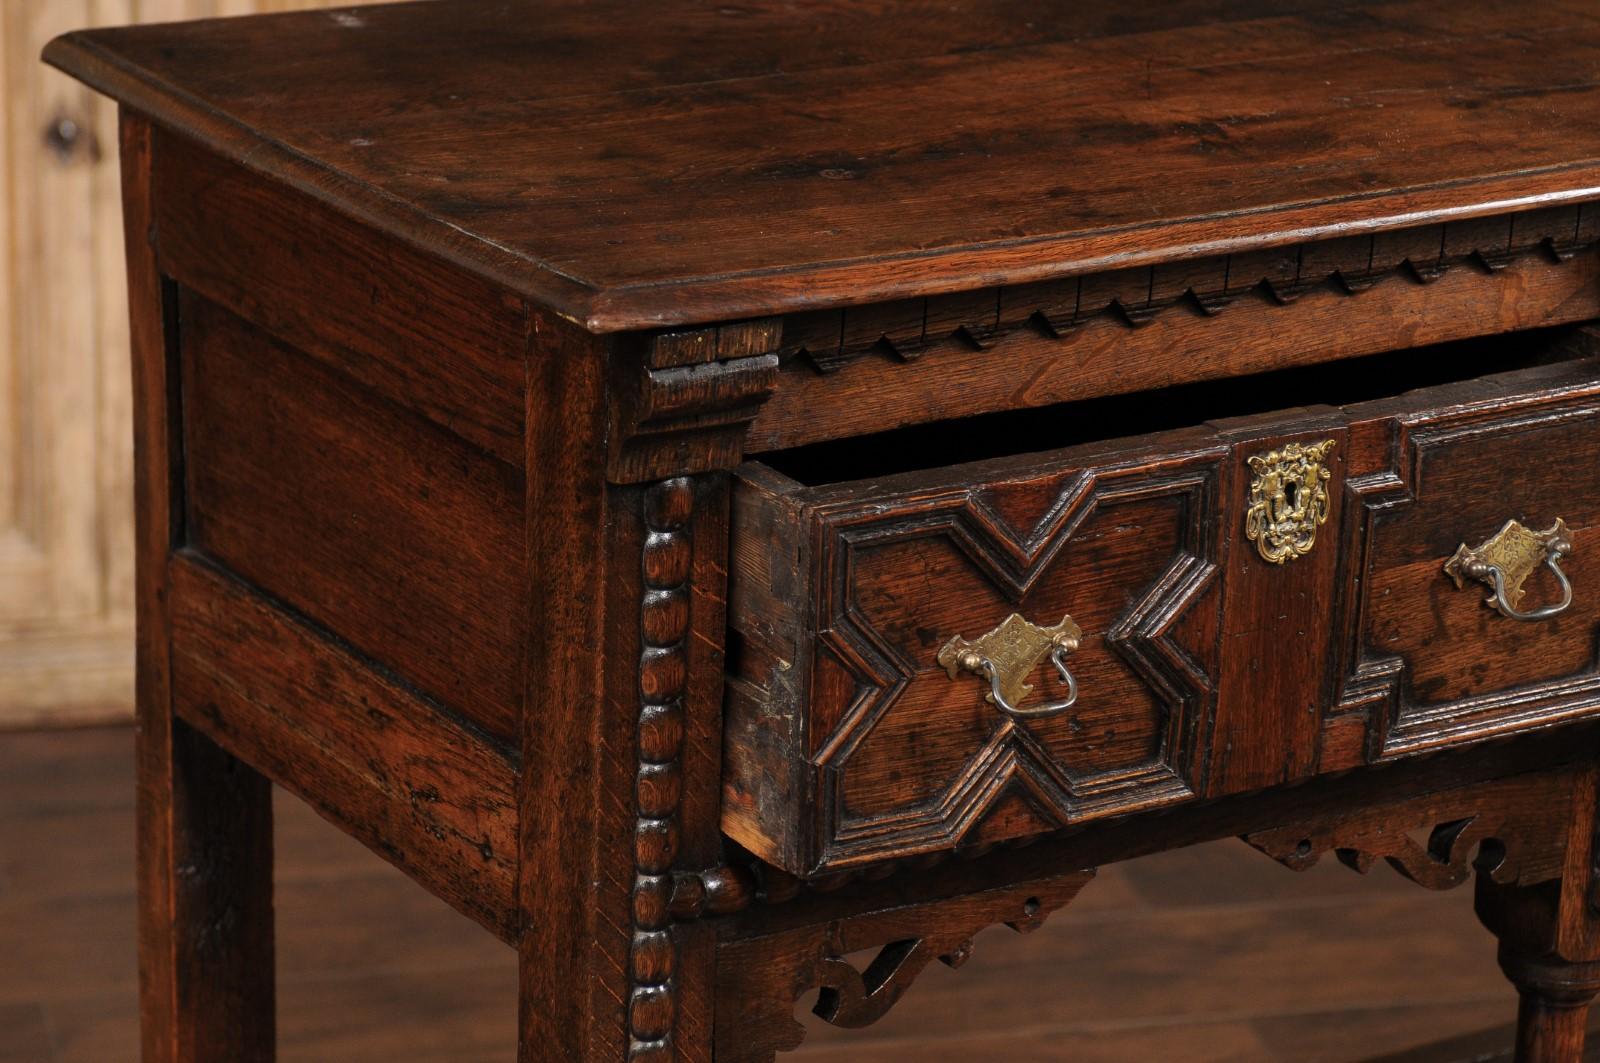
(641, 165)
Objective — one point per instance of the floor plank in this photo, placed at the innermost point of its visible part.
(25, 1035)
(1201, 956)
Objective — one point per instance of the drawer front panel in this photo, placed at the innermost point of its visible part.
(899, 756)
(1126, 553)
(1438, 662)
(1219, 638)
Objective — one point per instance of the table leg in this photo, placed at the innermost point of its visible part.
(205, 901)
(1550, 940)
(205, 819)
(1554, 1010)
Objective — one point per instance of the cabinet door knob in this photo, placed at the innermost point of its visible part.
(66, 136)
(1506, 560)
(1006, 657)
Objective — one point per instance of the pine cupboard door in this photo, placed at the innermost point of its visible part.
(66, 510)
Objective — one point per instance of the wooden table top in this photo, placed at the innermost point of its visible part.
(634, 166)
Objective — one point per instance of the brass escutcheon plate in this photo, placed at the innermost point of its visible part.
(1288, 500)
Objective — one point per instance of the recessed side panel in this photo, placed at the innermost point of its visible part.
(375, 524)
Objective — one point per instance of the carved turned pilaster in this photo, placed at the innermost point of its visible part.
(664, 624)
(681, 402)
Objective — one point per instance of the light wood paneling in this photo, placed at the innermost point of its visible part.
(66, 582)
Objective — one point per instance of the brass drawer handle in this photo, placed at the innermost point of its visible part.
(1506, 560)
(1008, 655)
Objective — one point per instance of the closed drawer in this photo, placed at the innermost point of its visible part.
(1237, 605)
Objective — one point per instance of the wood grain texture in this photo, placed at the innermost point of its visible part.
(847, 740)
(66, 530)
(1345, 265)
(426, 793)
(1170, 159)
(452, 556)
(1028, 364)
(575, 812)
(1141, 965)
(685, 399)
(1204, 669)
(1550, 939)
(394, 534)
(206, 972)
(1514, 831)
(759, 979)
(446, 346)
(1421, 659)
(1275, 645)
(1521, 833)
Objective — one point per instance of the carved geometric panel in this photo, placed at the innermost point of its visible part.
(908, 759)
(1430, 663)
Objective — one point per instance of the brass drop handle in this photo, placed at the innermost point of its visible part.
(997, 696)
(1508, 558)
(1008, 655)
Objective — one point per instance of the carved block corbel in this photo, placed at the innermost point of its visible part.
(760, 978)
(684, 399)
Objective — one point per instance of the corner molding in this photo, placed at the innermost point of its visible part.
(685, 400)
(1349, 265)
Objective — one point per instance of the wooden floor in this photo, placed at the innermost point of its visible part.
(1205, 955)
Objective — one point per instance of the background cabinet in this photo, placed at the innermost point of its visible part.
(66, 587)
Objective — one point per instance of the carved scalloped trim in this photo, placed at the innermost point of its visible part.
(909, 328)
(1506, 830)
(760, 979)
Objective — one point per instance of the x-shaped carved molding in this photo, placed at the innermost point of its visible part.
(1015, 762)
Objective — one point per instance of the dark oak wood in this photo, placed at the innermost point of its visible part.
(1048, 345)
(371, 967)
(754, 178)
(442, 343)
(206, 973)
(393, 535)
(433, 797)
(1550, 940)
(453, 327)
(759, 978)
(849, 743)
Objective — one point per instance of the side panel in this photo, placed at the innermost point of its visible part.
(343, 607)
(373, 523)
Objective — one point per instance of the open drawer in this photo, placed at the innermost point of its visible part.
(982, 652)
